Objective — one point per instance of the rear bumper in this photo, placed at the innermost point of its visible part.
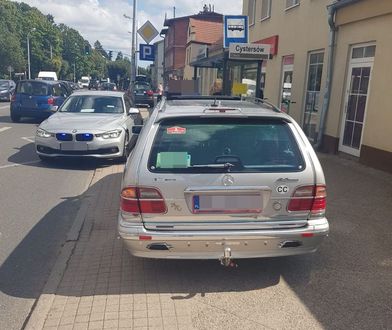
(212, 244)
(33, 113)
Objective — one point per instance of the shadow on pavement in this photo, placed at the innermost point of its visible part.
(24, 120)
(27, 154)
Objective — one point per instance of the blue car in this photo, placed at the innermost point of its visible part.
(37, 99)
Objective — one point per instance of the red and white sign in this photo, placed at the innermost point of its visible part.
(176, 130)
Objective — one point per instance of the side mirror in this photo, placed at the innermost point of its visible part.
(133, 111)
(137, 129)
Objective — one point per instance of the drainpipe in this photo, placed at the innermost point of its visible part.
(332, 9)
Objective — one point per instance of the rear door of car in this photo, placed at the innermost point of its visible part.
(224, 173)
(32, 94)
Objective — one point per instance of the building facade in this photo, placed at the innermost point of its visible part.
(329, 71)
(176, 39)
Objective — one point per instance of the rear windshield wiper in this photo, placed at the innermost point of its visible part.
(224, 166)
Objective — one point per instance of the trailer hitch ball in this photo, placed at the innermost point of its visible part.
(226, 259)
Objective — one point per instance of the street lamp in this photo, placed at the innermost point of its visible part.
(133, 57)
(28, 49)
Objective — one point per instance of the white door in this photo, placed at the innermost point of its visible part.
(357, 91)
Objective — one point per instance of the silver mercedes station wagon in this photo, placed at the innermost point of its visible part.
(222, 178)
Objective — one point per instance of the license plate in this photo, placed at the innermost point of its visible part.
(230, 204)
(73, 146)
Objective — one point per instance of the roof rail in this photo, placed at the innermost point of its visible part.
(262, 101)
(202, 97)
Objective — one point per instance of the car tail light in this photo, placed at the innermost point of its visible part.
(13, 98)
(142, 200)
(51, 100)
(309, 198)
(150, 93)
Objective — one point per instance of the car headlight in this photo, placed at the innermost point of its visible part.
(42, 133)
(110, 134)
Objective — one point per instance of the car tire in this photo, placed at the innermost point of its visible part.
(15, 118)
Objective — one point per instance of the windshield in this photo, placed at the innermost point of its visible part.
(84, 80)
(35, 88)
(4, 84)
(93, 104)
(193, 145)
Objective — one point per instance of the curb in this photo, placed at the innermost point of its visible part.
(41, 308)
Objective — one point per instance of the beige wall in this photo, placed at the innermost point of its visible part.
(301, 29)
(378, 120)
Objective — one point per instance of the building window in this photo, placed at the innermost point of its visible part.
(291, 3)
(251, 11)
(312, 97)
(265, 9)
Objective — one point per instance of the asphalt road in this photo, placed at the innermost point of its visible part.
(38, 204)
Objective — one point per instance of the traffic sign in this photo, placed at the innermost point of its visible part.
(146, 52)
(148, 32)
(235, 29)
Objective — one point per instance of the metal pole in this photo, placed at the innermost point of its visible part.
(133, 52)
(28, 54)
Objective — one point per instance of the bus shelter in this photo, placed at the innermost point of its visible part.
(239, 68)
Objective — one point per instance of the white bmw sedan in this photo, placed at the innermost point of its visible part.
(89, 124)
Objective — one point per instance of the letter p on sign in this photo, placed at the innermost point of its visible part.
(146, 52)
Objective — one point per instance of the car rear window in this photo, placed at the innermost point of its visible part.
(208, 145)
(93, 104)
(142, 87)
(36, 88)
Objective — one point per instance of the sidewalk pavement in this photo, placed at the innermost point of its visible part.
(98, 285)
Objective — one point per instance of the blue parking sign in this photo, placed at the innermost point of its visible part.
(146, 52)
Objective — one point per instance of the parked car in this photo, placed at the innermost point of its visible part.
(222, 178)
(37, 98)
(7, 89)
(89, 123)
(107, 86)
(141, 94)
(94, 84)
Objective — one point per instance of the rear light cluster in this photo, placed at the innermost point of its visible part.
(51, 100)
(13, 98)
(139, 200)
(309, 198)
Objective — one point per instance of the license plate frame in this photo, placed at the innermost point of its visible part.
(227, 204)
(73, 146)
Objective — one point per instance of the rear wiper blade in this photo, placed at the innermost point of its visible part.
(224, 165)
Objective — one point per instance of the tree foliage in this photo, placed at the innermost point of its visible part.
(53, 47)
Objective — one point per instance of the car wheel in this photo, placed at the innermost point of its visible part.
(15, 118)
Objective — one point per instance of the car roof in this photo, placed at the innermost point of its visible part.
(52, 82)
(98, 93)
(225, 107)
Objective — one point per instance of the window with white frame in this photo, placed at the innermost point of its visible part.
(291, 3)
(265, 9)
(251, 11)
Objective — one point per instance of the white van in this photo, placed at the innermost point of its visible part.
(47, 75)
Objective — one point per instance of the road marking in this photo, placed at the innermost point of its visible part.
(20, 164)
(28, 138)
(4, 129)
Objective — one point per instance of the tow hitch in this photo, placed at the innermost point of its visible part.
(226, 259)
